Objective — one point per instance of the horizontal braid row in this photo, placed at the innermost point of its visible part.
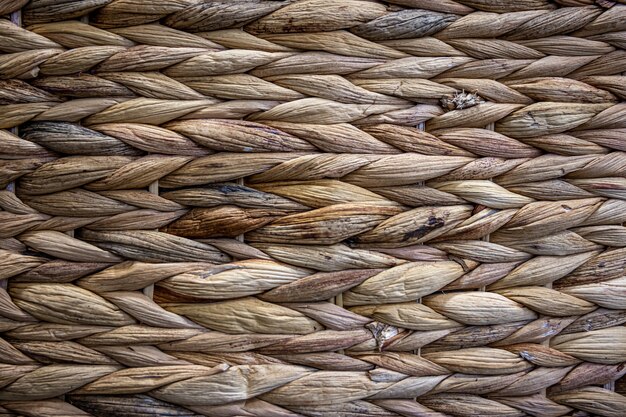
(185, 65)
(346, 208)
(277, 383)
(574, 292)
(272, 398)
(474, 404)
(350, 152)
(367, 224)
(355, 89)
(163, 101)
(461, 51)
(369, 20)
(547, 118)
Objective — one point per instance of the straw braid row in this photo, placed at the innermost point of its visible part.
(203, 137)
(363, 225)
(473, 265)
(274, 282)
(365, 87)
(276, 385)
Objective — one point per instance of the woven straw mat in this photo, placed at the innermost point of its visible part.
(349, 208)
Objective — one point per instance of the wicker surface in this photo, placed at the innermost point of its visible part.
(348, 208)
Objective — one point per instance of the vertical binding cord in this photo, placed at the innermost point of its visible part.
(492, 127)
(154, 189)
(422, 127)
(240, 181)
(611, 384)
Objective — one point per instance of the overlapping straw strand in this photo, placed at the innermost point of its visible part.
(431, 197)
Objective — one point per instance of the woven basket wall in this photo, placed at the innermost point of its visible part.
(312, 208)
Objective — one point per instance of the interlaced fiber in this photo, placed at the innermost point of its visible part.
(339, 208)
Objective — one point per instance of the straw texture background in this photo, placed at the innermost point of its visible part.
(312, 208)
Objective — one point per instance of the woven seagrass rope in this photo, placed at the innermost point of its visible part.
(312, 208)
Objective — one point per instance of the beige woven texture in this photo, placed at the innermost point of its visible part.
(312, 208)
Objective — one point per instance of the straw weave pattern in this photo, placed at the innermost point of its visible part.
(310, 208)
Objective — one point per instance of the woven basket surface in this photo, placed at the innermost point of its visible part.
(309, 208)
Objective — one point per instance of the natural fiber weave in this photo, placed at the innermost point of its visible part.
(312, 208)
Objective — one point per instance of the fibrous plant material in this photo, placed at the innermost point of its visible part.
(312, 208)
(461, 100)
